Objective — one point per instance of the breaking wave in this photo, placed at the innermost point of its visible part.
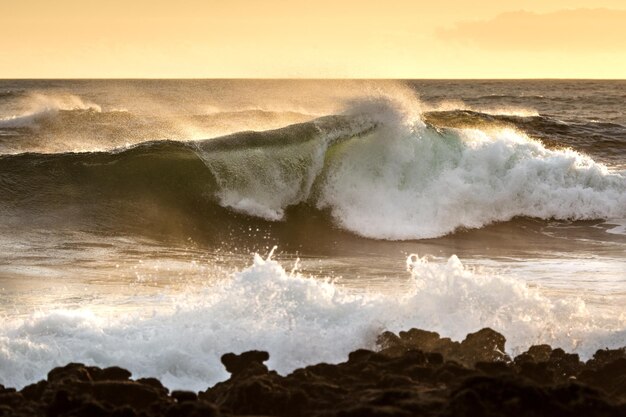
(299, 320)
(378, 170)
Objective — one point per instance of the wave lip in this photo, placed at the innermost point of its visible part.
(413, 182)
(262, 173)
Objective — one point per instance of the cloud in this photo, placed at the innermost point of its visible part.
(563, 30)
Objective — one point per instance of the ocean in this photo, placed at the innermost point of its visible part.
(158, 224)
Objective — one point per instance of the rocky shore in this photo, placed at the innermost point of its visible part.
(414, 373)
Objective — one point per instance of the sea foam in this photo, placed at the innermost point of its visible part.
(179, 338)
(401, 183)
(404, 179)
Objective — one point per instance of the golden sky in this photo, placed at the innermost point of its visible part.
(312, 39)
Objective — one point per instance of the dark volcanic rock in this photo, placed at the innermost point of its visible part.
(489, 396)
(71, 372)
(483, 346)
(251, 361)
(113, 373)
(416, 373)
(471, 378)
(79, 390)
(184, 396)
(611, 377)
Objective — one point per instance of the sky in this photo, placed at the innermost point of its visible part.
(312, 39)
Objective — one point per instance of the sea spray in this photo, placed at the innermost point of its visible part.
(381, 175)
(39, 107)
(410, 181)
(300, 320)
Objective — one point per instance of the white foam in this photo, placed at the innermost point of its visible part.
(408, 181)
(299, 320)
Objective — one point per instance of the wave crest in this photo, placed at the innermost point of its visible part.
(379, 171)
(41, 106)
(424, 183)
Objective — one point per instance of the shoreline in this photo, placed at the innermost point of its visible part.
(415, 372)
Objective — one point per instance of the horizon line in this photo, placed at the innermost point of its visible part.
(307, 79)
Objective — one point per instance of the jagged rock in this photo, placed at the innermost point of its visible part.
(113, 373)
(606, 356)
(11, 398)
(470, 378)
(34, 392)
(485, 345)
(251, 361)
(537, 372)
(540, 353)
(490, 396)
(611, 377)
(192, 409)
(154, 383)
(184, 396)
(564, 365)
(69, 372)
(120, 393)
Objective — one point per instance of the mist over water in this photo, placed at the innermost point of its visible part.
(130, 212)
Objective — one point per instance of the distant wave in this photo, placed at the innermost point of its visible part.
(42, 106)
(9, 94)
(69, 124)
(501, 110)
(57, 119)
(499, 97)
(376, 172)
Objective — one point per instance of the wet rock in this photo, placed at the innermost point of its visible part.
(434, 358)
(470, 378)
(192, 409)
(611, 377)
(537, 372)
(606, 356)
(184, 396)
(416, 339)
(263, 395)
(539, 353)
(251, 361)
(485, 345)
(360, 355)
(11, 398)
(120, 393)
(113, 373)
(154, 383)
(374, 411)
(34, 392)
(69, 372)
(564, 365)
(494, 368)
